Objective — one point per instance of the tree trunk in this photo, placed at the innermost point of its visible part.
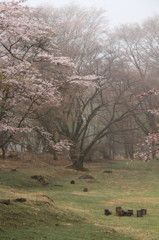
(131, 151)
(125, 151)
(3, 152)
(78, 165)
(76, 158)
(54, 154)
(153, 150)
(55, 157)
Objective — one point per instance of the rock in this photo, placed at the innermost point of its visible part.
(107, 171)
(72, 182)
(36, 176)
(86, 176)
(13, 170)
(20, 200)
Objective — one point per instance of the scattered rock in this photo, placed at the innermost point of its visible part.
(36, 176)
(85, 190)
(86, 176)
(13, 170)
(72, 182)
(20, 200)
(5, 201)
(108, 171)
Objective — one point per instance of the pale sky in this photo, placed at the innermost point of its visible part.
(118, 11)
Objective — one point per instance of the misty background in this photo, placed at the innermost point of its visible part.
(117, 11)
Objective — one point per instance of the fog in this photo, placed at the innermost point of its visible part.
(118, 11)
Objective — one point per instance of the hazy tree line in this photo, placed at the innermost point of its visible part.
(104, 118)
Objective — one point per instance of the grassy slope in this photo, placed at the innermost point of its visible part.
(75, 214)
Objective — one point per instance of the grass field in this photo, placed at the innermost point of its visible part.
(63, 211)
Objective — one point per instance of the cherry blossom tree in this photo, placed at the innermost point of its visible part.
(26, 87)
(150, 143)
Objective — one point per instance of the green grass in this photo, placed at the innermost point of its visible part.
(74, 214)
